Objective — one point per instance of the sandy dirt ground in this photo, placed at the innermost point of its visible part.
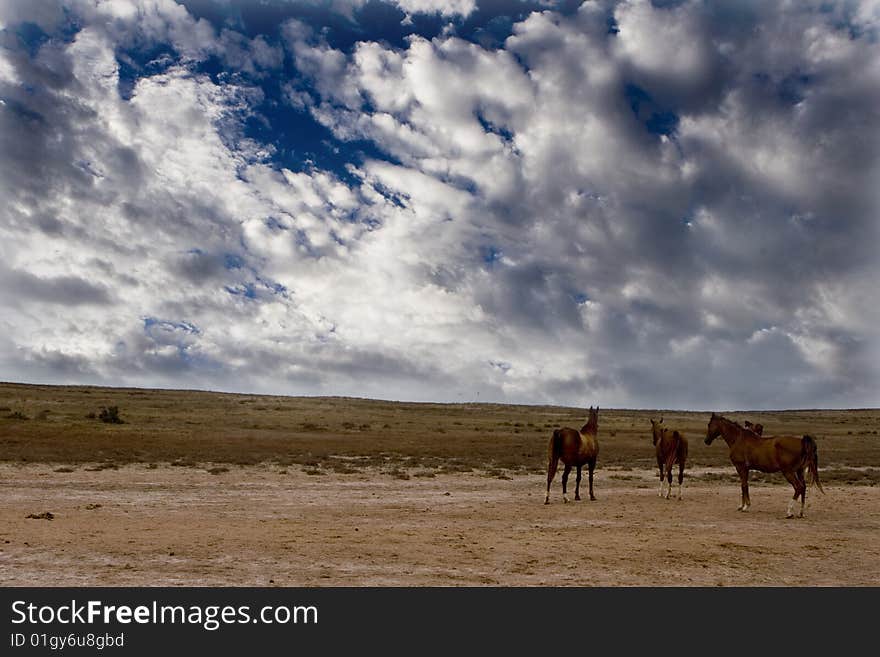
(266, 526)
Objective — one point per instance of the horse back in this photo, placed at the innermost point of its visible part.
(769, 453)
(573, 446)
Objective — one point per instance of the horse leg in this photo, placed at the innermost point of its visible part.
(551, 472)
(660, 465)
(565, 482)
(743, 473)
(668, 481)
(792, 478)
(592, 465)
(802, 482)
(577, 485)
(680, 477)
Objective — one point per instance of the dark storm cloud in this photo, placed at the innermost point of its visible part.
(24, 287)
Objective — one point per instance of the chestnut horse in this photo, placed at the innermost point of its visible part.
(757, 428)
(672, 448)
(575, 448)
(789, 455)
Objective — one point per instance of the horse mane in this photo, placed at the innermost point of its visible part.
(741, 427)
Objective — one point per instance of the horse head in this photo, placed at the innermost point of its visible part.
(592, 424)
(656, 429)
(714, 428)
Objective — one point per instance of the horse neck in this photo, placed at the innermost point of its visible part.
(731, 432)
(590, 426)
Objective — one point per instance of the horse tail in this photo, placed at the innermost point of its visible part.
(811, 456)
(555, 446)
(672, 454)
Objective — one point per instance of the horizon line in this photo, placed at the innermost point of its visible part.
(437, 403)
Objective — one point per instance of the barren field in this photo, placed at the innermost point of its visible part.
(208, 489)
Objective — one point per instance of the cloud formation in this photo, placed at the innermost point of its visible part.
(636, 204)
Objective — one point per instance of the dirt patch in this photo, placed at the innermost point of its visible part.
(255, 526)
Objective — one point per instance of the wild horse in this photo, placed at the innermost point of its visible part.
(671, 447)
(575, 449)
(789, 455)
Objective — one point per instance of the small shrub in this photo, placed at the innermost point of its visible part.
(110, 414)
(107, 465)
(16, 415)
(311, 426)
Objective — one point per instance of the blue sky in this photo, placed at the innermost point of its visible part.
(644, 204)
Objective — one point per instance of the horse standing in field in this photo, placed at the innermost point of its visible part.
(789, 455)
(757, 428)
(672, 448)
(575, 448)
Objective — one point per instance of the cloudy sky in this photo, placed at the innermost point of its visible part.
(643, 204)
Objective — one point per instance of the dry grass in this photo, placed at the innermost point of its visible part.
(341, 435)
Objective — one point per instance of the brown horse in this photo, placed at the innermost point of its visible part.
(575, 448)
(757, 428)
(672, 448)
(789, 455)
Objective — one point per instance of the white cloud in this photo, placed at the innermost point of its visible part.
(530, 238)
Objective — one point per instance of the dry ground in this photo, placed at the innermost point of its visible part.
(264, 526)
(198, 488)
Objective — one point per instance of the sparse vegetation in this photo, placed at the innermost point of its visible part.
(345, 436)
(109, 465)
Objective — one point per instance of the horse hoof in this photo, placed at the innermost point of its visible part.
(592, 499)
(577, 498)
(546, 501)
